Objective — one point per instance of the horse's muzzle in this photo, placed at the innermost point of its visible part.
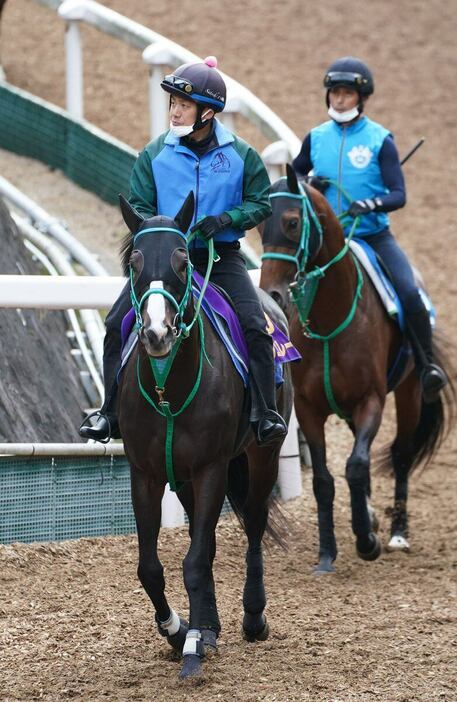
(157, 344)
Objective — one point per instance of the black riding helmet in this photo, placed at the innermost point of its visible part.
(351, 72)
(200, 82)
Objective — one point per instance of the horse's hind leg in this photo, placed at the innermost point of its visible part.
(211, 625)
(366, 420)
(263, 473)
(147, 498)
(408, 404)
(323, 484)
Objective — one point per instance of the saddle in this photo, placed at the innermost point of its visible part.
(380, 278)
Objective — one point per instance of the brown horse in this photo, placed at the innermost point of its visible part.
(184, 419)
(348, 345)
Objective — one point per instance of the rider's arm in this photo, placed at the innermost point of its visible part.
(255, 206)
(392, 176)
(302, 164)
(143, 192)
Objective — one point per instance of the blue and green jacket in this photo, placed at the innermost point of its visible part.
(230, 177)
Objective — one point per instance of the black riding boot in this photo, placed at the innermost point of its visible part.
(268, 425)
(432, 377)
(106, 427)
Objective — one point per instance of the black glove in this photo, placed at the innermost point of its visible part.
(212, 225)
(363, 207)
(318, 182)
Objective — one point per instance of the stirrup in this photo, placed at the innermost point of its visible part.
(99, 414)
(274, 428)
(433, 380)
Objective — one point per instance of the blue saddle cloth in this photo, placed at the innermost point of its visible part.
(389, 297)
(225, 323)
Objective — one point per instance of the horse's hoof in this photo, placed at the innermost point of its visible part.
(255, 630)
(177, 640)
(372, 553)
(209, 638)
(398, 543)
(324, 566)
(191, 667)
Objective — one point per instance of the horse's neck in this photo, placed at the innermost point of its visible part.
(336, 290)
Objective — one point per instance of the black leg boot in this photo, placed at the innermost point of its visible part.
(432, 377)
(106, 427)
(268, 425)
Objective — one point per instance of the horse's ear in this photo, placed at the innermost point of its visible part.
(292, 181)
(184, 216)
(131, 217)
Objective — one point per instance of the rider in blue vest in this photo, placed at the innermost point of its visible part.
(350, 154)
(231, 189)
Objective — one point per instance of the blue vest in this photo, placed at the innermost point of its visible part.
(349, 156)
(216, 179)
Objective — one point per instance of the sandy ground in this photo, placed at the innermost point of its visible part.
(75, 623)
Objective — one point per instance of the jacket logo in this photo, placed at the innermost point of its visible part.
(220, 163)
(360, 156)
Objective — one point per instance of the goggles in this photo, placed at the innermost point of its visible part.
(179, 83)
(335, 77)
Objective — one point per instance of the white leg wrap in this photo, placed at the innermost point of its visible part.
(191, 645)
(171, 626)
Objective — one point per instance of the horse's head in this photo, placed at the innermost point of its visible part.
(290, 237)
(157, 262)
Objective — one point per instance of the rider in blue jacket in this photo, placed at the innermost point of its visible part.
(231, 189)
(350, 154)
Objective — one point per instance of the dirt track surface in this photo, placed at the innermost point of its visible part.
(75, 622)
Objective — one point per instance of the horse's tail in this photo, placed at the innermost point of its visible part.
(436, 418)
(237, 492)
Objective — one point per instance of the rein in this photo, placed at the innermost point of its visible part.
(304, 288)
(181, 330)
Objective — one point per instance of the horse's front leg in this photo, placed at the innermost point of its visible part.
(366, 420)
(312, 425)
(147, 506)
(209, 489)
(211, 625)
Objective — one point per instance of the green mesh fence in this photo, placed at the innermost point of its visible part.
(91, 158)
(50, 499)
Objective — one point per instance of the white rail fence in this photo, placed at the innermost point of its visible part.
(84, 292)
(160, 53)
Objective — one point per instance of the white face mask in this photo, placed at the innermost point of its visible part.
(182, 130)
(342, 117)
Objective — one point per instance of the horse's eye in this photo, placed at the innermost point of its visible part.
(293, 223)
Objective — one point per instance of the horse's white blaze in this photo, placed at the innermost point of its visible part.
(398, 543)
(155, 309)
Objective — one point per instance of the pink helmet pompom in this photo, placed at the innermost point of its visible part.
(211, 61)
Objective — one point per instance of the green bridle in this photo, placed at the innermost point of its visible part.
(161, 368)
(304, 288)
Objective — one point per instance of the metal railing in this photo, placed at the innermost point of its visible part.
(159, 53)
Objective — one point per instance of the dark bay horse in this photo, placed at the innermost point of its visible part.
(348, 344)
(182, 413)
